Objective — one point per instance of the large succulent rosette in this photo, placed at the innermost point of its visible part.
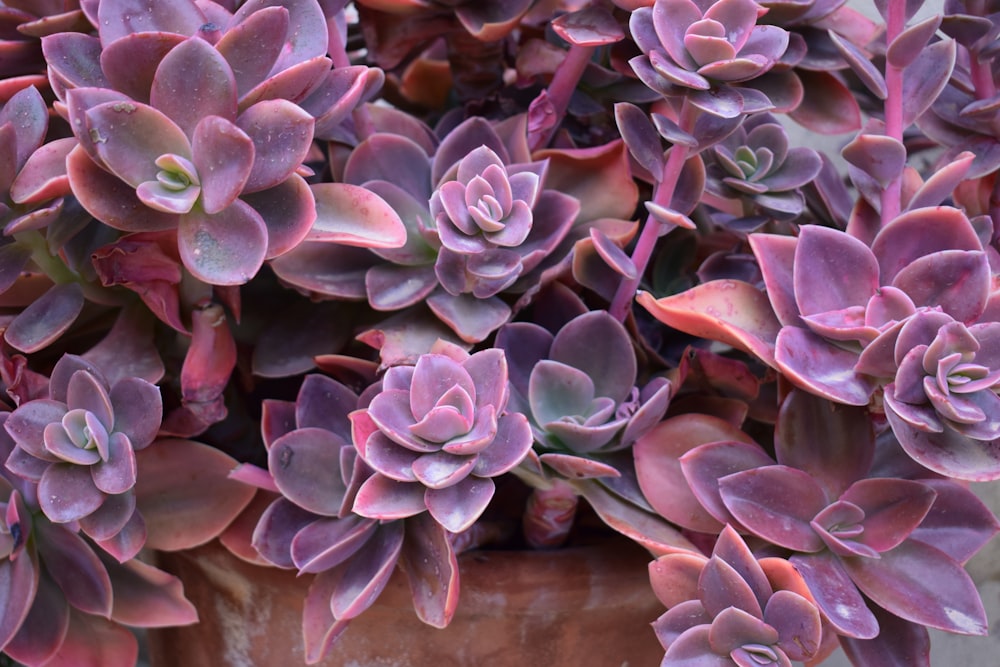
(436, 434)
(79, 446)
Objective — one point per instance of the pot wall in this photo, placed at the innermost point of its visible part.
(582, 606)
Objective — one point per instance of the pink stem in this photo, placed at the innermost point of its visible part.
(555, 99)
(549, 514)
(652, 229)
(892, 195)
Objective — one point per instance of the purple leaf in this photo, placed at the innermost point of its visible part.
(429, 561)
(44, 628)
(18, 586)
(956, 281)
(641, 138)
(828, 107)
(306, 467)
(882, 158)
(720, 586)
(75, 568)
(130, 63)
(921, 584)
(899, 644)
(118, 18)
(252, 46)
(457, 507)
(326, 543)
(27, 112)
(893, 509)
(939, 185)
(67, 493)
(288, 210)
(836, 595)
(861, 64)
(293, 84)
(832, 271)
(364, 577)
(46, 318)
(223, 157)
(386, 499)
(138, 410)
(949, 453)
(227, 248)
(130, 137)
(821, 367)
(118, 473)
(148, 597)
(926, 77)
(958, 522)
(908, 45)
(706, 464)
(351, 215)
(306, 33)
(282, 134)
(193, 82)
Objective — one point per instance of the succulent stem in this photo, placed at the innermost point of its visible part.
(556, 97)
(549, 514)
(892, 194)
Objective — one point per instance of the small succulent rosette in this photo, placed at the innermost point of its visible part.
(436, 434)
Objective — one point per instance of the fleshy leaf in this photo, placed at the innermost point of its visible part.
(47, 318)
(227, 248)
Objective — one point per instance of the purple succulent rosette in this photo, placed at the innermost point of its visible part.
(61, 592)
(703, 50)
(79, 446)
(723, 610)
(578, 387)
(436, 434)
(198, 120)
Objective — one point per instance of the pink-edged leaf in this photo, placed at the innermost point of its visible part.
(949, 453)
(906, 48)
(111, 200)
(127, 542)
(147, 597)
(306, 468)
(130, 63)
(926, 77)
(920, 232)
(832, 271)
(730, 311)
(836, 595)
(429, 561)
(18, 585)
(118, 18)
(326, 543)
(47, 318)
(694, 649)
(293, 84)
(43, 176)
(383, 498)
(958, 523)
(641, 137)
(76, 60)
(940, 185)
(798, 623)
(184, 493)
(193, 82)
(75, 568)
(279, 523)
(138, 410)
(861, 64)
(577, 467)
(364, 577)
(66, 492)
(657, 462)
(900, 643)
(882, 158)
(776, 256)
(227, 248)
(288, 210)
(760, 499)
(845, 431)
(706, 464)
(922, 584)
(458, 506)
(893, 509)
(828, 107)
(92, 640)
(822, 368)
(252, 46)
(129, 137)
(26, 425)
(319, 627)
(282, 135)
(956, 281)
(721, 586)
(645, 528)
(326, 268)
(223, 156)
(117, 473)
(27, 112)
(110, 518)
(306, 32)
(351, 215)
(674, 577)
(44, 628)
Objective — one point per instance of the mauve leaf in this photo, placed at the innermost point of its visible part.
(458, 506)
(613, 375)
(223, 157)
(590, 26)
(75, 568)
(352, 215)
(759, 499)
(958, 523)
(319, 628)
(921, 584)
(798, 623)
(893, 509)
(694, 649)
(184, 493)
(882, 158)
(823, 368)
(861, 64)
(129, 137)
(130, 62)
(491, 22)
(956, 281)
(845, 431)
(118, 18)
(705, 465)
(282, 135)
(729, 311)
(138, 410)
(118, 473)
(75, 60)
(926, 77)
(899, 644)
(252, 46)
(111, 200)
(364, 577)
(386, 499)
(949, 453)
(836, 595)
(921, 232)
(288, 210)
(776, 257)
(44, 628)
(13, 258)
(67, 493)
(193, 82)
(326, 543)
(293, 84)
(674, 577)
(46, 318)
(110, 518)
(657, 462)
(227, 248)
(720, 586)
(670, 131)
(641, 138)
(18, 586)
(828, 107)
(939, 185)
(832, 271)
(43, 176)
(377, 158)
(305, 36)
(306, 467)
(428, 559)
(908, 44)
(277, 526)
(148, 597)
(27, 113)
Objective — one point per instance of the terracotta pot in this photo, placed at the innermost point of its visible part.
(580, 606)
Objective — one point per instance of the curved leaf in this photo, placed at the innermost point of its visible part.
(226, 248)
(351, 215)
